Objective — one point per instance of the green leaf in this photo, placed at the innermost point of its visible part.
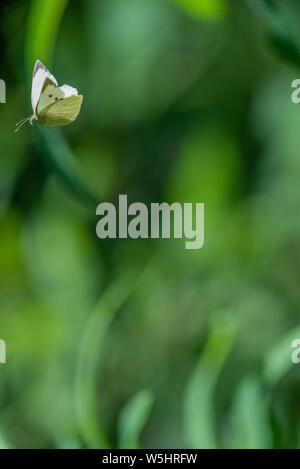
(133, 419)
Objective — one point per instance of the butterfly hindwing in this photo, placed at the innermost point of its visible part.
(51, 93)
(62, 112)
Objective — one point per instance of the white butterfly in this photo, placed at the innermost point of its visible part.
(52, 105)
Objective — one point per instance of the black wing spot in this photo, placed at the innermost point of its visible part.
(50, 95)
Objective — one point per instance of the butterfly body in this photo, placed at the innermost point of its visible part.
(52, 105)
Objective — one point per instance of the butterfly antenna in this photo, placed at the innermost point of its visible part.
(21, 123)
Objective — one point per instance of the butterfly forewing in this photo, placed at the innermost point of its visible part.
(51, 93)
(40, 75)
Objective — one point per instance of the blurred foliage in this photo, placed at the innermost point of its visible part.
(204, 9)
(123, 343)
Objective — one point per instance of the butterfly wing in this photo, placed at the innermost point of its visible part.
(40, 75)
(62, 112)
(69, 91)
(50, 94)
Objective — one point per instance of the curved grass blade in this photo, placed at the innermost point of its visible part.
(199, 422)
(133, 419)
(250, 418)
(59, 157)
(44, 20)
(89, 356)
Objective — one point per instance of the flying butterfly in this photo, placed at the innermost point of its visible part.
(52, 105)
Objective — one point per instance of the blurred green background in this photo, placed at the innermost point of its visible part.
(122, 343)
